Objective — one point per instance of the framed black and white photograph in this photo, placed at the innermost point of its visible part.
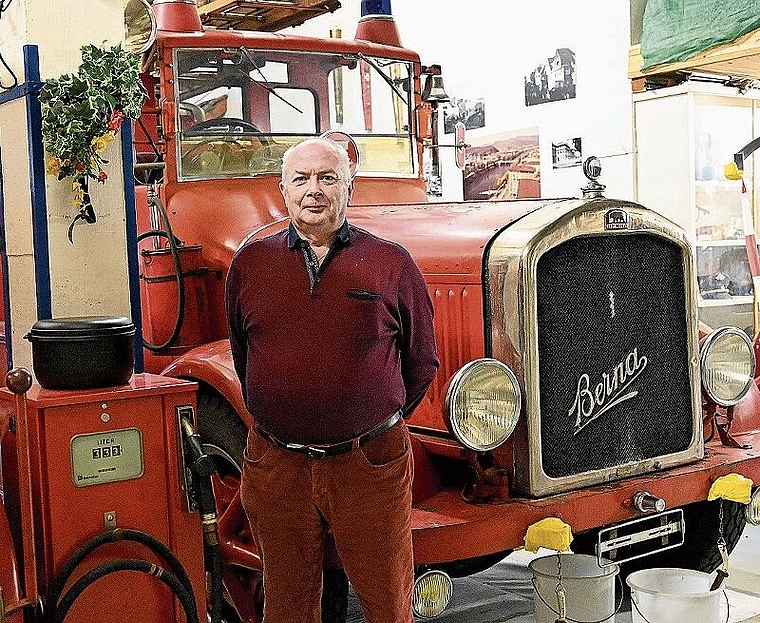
(471, 112)
(567, 153)
(552, 80)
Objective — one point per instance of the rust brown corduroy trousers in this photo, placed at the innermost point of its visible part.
(363, 497)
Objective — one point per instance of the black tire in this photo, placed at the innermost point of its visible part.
(224, 436)
(699, 550)
(220, 426)
(471, 566)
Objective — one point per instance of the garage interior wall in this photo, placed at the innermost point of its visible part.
(90, 276)
(485, 50)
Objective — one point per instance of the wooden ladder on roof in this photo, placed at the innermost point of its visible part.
(263, 15)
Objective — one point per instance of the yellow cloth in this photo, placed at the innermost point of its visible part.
(731, 487)
(551, 533)
(732, 172)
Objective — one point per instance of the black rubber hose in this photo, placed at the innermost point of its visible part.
(128, 564)
(173, 249)
(110, 537)
(202, 467)
(214, 562)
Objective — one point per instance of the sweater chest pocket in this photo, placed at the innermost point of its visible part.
(362, 295)
(366, 317)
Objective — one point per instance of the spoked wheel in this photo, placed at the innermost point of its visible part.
(224, 438)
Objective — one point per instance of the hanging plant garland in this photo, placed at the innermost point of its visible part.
(81, 115)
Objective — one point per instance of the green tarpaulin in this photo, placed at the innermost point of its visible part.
(675, 30)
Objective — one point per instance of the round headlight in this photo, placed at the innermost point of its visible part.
(727, 362)
(752, 511)
(483, 404)
(753, 508)
(432, 593)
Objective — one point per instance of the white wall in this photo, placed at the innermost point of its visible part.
(486, 47)
(89, 277)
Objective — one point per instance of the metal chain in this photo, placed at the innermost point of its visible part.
(722, 570)
(560, 590)
(722, 547)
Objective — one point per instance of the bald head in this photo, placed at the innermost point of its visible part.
(344, 164)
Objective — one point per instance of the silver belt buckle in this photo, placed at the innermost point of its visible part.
(316, 453)
(313, 451)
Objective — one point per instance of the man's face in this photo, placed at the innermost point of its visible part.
(315, 195)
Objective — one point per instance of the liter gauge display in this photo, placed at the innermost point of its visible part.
(111, 456)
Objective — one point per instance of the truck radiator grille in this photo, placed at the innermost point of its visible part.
(613, 362)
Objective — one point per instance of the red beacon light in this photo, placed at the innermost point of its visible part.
(377, 25)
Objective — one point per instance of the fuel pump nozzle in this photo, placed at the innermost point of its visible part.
(202, 466)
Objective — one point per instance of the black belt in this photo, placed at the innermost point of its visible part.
(320, 451)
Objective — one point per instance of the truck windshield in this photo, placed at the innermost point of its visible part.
(239, 109)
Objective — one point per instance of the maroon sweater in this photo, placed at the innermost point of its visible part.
(324, 362)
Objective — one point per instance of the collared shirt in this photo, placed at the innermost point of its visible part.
(342, 236)
(325, 359)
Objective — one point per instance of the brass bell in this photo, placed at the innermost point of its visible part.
(434, 92)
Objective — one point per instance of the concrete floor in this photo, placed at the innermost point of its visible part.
(505, 592)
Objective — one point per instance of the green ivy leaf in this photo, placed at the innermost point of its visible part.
(76, 109)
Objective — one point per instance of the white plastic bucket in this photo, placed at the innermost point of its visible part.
(589, 588)
(667, 595)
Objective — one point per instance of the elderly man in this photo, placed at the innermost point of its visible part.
(332, 337)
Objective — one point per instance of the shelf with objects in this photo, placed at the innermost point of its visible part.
(737, 61)
(685, 136)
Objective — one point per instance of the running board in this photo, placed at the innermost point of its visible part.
(640, 537)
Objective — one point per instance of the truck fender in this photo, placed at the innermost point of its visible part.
(212, 365)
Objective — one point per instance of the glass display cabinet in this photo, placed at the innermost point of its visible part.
(684, 136)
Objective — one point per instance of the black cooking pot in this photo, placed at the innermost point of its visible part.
(82, 353)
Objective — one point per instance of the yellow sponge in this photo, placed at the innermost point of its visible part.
(733, 487)
(551, 533)
(732, 172)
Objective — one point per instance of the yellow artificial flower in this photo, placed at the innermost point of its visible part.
(53, 166)
(101, 142)
(78, 191)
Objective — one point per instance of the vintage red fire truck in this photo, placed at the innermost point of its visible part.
(575, 380)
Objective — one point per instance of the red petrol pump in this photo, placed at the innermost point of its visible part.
(103, 506)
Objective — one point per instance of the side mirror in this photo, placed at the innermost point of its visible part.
(139, 26)
(459, 144)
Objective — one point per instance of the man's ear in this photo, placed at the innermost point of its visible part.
(281, 185)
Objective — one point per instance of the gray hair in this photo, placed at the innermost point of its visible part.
(344, 164)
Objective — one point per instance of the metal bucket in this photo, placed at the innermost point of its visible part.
(666, 595)
(589, 588)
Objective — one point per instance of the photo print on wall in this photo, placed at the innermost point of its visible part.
(567, 153)
(471, 112)
(553, 80)
(503, 166)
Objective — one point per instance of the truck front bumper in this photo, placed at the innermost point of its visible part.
(446, 528)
